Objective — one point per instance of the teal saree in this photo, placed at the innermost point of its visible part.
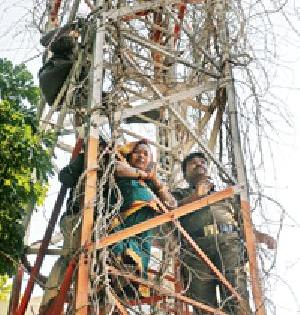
(138, 206)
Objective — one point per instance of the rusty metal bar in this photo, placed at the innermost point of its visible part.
(54, 12)
(200, 253)
(251, 250)
(171, 216)
(179, 306)
(57, 307)
(16, 290)
(205, 258)
(87, 225)
(164, 218)
(41, 254)
(95, 97)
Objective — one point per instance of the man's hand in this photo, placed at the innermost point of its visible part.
(203, 188)
(266, 239)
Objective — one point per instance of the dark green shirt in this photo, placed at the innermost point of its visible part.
(69, 177)
(194, 223)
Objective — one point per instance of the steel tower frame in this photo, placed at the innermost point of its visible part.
(153, 61)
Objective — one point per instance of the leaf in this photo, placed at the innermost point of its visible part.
(23, 151)
(5, 288)
(7, 182)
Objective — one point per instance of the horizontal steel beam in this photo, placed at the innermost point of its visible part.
(164, 218)
(167, 100)
(175, 97)
(49, 251)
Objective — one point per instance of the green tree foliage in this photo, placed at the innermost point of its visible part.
(5, 288)
(25, 163)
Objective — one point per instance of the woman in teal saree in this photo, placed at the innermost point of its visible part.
(140, 187)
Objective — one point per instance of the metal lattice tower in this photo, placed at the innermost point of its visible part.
(167, 65)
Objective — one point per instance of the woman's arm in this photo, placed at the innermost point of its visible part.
(163, 191)
(123, 169)
(166, 197)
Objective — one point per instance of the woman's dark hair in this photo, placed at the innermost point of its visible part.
(142, 141)
(189, 158)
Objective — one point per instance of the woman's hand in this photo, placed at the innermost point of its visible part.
(162, 190)
(152, 175)
(140, 174)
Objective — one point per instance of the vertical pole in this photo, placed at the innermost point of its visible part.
(244, 195)
(58, 304)
(96, 78)
(16, 290)
(54, 12)
(179, 305)
(41, 254)
(239, 163)
(18, 278)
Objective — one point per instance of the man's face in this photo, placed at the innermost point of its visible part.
(196, 169)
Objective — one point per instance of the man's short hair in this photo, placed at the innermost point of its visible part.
(189, 157)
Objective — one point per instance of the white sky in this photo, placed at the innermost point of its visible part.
(286, 152)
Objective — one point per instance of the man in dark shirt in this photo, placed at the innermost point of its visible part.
(214, 229)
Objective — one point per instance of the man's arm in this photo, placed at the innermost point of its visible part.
(266, 239)
(201, 190)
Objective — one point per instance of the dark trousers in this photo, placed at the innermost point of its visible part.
(224, 250)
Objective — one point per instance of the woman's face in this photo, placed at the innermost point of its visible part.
(141, 157)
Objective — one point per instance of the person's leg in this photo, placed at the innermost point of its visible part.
(136, 250)
(199, 281)
(71, 241)
(230, 262)
(53, 283)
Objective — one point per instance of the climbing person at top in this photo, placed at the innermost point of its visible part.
(61, 44)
